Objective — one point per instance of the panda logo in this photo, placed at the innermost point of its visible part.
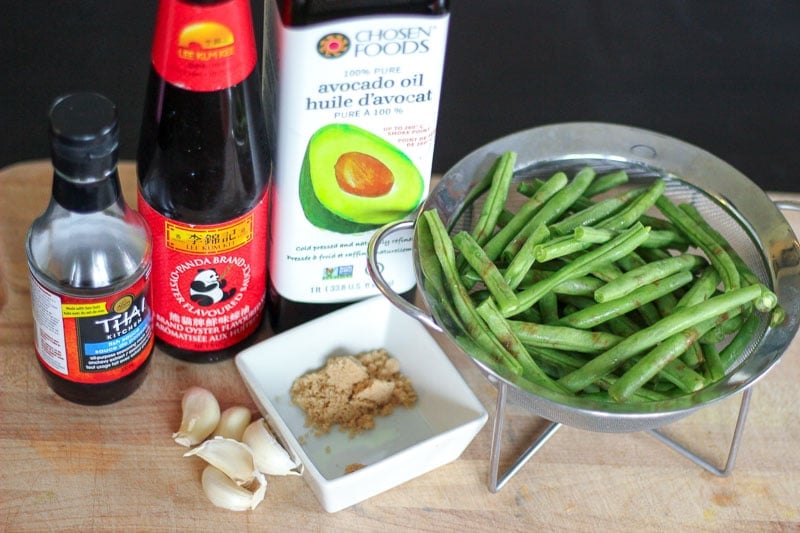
(207, 288)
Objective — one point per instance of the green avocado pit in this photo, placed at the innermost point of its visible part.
(353, 180)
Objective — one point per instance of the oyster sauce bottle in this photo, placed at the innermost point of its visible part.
(203, 166)
(354, 91)
(89, 260)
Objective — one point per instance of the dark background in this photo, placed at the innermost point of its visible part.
(723, 75)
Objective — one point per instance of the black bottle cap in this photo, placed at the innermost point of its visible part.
(84, 136)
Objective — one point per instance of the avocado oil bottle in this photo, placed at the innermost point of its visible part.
(353, 91)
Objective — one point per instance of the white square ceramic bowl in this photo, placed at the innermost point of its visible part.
(403, 445)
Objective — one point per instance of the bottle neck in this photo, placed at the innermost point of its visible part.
(86, 196)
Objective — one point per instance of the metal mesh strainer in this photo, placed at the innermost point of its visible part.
(728, 200)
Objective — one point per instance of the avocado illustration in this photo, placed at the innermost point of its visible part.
(353, 180)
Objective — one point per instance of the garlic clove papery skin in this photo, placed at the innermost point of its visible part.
(200, 415)
(232, 457)
(233, 422)
(270, 457)
(223, 492)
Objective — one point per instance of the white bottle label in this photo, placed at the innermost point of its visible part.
(48, 324)
(357, 107)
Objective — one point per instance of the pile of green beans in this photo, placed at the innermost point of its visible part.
(624, 297)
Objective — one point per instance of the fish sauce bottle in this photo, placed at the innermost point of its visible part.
(203, 165)
(89, 257)
(355, 88)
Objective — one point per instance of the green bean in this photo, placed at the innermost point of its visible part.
(718, 334)
(529, 188)
(580, 286)
(684, 318)
(608, 252)
(684, 377)
(675, 372)
(477, 259)
(777, 316)
(593, 235)
(636, 208)
(499, 241)
(655, 239)
(599, 185)
(501, 329)
(566, 362)
(657, 358)
(548, 308)
(716, 254)
(609, 271)
(558, 247)
(481, 187)
(646, 274)
(713, 362)
(664, 238)
(768, 300)
(606, 182)
(594, 212)
(666, 303)
(495, 198)
(695, 216)
(523, 261)
(601, 312)
(553, 208)
(563, 338)
(746, 335)
(702, 289)
(442, 247)
(504, 218)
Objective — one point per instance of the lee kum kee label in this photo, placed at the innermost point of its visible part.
(204, 48)
(213, 278)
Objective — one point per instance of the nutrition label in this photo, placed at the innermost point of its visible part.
(49, 329)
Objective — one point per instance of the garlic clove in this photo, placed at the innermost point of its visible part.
(233, 422)
(270, 457)
(230, 456)
(223, 492)
(200, 415)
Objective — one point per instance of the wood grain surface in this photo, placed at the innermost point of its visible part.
(70, 467)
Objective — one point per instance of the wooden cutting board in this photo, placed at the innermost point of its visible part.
(70, 467)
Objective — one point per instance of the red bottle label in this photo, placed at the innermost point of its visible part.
(204, 47)
(208, 280)
(93, 340)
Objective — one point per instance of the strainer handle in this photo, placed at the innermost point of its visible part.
(375, 272)
(787, 205)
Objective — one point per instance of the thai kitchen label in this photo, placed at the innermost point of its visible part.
(93, 340)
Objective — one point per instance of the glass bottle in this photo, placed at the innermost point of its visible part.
(89, 258)
(353, 89)
(203, 166)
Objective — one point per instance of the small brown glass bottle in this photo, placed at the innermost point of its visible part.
(89, 259)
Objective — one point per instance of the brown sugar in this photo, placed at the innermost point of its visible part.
(351, 390)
